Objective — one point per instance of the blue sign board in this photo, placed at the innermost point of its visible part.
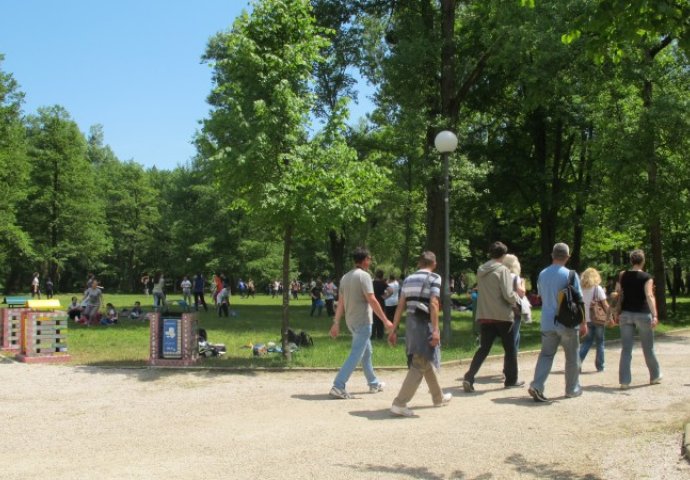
(172, 338)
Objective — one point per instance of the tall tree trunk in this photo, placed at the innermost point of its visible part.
(434, 202)
(655, 232)
(12, 280)
(407, 244)
(52, 263)
(547, 220)
(287, 245)
(648, 133)
(584, 180)
(336, 243)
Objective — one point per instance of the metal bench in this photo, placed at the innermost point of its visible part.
(13, 302)
(43, 304)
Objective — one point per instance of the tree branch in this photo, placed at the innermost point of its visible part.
(652, 52)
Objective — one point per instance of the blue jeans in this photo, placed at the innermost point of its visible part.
(158, 300)
(629, 321)
(595, 334)
(361, 351)
(569, 338)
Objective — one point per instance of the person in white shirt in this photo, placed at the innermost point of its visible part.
(391, 297)
(186, 286)
(35, 286)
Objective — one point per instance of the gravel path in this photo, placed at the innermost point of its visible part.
(86, 423)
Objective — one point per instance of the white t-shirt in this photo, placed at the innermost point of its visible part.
(186, 285)
(588, 296)
(393, 299)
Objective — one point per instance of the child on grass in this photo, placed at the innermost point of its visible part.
(110, 317)
(136, 313)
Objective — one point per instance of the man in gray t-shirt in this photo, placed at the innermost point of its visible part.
(356, 302)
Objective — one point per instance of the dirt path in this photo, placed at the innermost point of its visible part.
(87, 423)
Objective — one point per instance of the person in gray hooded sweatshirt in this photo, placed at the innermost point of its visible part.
(495, 301)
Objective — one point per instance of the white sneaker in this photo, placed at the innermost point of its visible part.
(401, 411)
(377, 388)
(657, 380)
(338, 393)
(447, 397)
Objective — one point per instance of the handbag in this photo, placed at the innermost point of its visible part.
(517, 306)
(616, 304)
(597, 313)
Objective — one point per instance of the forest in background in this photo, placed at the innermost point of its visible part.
(572, 119)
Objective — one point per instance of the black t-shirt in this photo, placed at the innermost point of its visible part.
(380, 287)
(634, 298)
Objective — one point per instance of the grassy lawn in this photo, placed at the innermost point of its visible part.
(258, 320)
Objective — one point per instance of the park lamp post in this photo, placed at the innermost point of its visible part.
(446, 142)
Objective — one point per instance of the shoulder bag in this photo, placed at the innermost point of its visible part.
(616, 304)
(597, 313)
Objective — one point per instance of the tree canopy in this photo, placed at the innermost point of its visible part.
(571, 118)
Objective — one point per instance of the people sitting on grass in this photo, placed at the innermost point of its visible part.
(137, 313)
(110, 317)
(74, 309)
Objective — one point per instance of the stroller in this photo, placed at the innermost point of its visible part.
(207, 349)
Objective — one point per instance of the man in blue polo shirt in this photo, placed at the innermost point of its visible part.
(552, 280)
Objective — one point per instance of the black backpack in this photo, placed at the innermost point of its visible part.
(301, 339)
(305, 339)
(571, 311)
(292, 337)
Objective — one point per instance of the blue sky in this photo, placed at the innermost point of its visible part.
(132, 66)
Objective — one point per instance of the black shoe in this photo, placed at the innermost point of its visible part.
(537, 395)
(467, 386)
(518, 384)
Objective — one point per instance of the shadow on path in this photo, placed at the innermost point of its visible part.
(545, 470)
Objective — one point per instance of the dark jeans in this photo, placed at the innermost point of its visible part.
(329, 307)
(199, 299)
(488, 333)
(223, 309)
(390, 311)
(316, 306)
(377, 328)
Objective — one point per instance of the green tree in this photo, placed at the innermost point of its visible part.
(15, 245)
(256, 138)
(63, 211)
(132, 211)
(637, 33)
